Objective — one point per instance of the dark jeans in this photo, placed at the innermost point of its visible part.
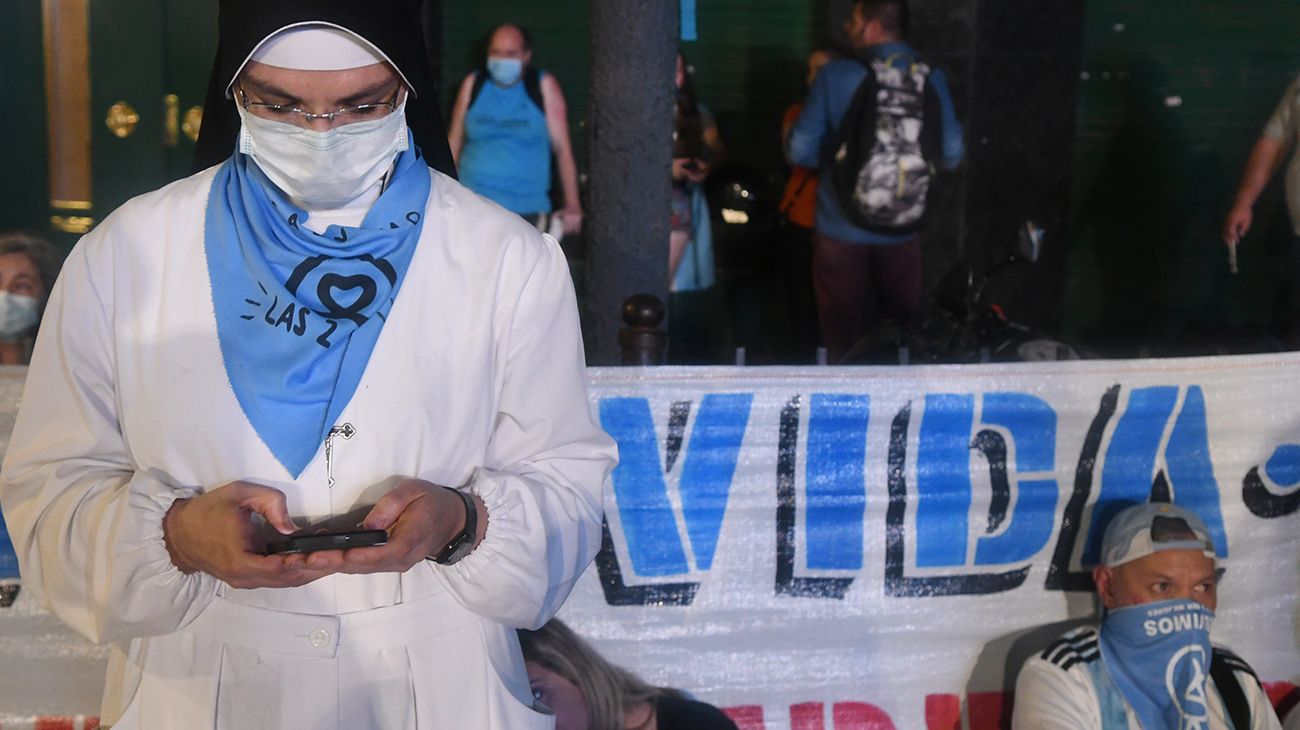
(849, 277)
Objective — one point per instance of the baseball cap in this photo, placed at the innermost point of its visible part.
(1145, 529)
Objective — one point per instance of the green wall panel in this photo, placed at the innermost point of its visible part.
(751, 63)
(24, 169)
(1172, 96)
(749, 60)
(124, 68)
(139, 51)
(190, 46)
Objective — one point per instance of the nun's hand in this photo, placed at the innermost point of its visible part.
(421, 518)
(214, 533)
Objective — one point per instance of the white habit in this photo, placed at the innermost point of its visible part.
(477, 380)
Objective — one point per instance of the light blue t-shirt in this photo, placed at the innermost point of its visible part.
(507, 152)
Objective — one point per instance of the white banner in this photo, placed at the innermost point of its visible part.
(817, 548)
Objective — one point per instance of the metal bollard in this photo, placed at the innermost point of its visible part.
(643, 342)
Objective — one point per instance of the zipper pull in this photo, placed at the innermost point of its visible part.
(346, 431)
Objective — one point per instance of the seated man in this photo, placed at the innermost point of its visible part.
(1150, 663)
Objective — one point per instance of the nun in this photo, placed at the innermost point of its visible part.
(305, 436)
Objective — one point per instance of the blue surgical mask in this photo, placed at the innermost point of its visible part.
(505, 71)
(1158, 655)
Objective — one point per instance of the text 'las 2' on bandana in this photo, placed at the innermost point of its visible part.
(298, 313)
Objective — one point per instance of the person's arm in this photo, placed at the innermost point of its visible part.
(1049, 698)
(557, 124)
(1264, 159)
(456, 132)
(804, 143)
(547, 464)
(787, 122)
(86, 524)
(954, 149)
(697, 169)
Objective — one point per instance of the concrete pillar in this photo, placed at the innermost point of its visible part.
(630, 123)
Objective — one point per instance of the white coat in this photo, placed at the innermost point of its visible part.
(477, 381)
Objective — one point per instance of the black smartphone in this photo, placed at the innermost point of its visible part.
(327, 541)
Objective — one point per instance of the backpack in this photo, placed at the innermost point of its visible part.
(1224, 666)
(532, 85)
(881, 169)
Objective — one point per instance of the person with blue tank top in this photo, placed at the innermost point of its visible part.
(509, 121)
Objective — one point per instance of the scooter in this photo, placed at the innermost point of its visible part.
(962, 324)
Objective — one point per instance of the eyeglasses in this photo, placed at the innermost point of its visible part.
(344, 114)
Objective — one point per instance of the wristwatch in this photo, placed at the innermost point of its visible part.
(462, 543)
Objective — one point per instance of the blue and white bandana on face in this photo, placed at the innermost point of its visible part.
(1158, 655)
(298, 313)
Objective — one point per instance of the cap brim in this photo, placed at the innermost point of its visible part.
(1197, 545)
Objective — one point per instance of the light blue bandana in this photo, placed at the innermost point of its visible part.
(298, 313)
(1158, 655)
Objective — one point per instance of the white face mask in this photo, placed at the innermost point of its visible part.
(324, 169)
(18, 314)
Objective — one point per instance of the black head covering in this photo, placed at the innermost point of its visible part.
(393, 26)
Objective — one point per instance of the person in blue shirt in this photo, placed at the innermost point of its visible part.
(853, 266)
(503, 137)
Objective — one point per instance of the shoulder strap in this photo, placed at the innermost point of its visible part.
(1223, 672)
(480, 78)
(808, 176)
(863, 101)
(533, 85)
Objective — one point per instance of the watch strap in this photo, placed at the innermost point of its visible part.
(462, 543)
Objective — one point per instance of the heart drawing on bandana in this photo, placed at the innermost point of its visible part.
(334, 291)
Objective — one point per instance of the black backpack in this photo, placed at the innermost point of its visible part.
(532, 84)
(882, 165)
(1224, 666)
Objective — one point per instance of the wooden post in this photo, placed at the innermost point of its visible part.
(68, 115)
(643, 341)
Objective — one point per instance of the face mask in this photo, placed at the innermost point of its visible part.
(324, 169)
(505, 71)
(18, 314)
(1158, 655)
